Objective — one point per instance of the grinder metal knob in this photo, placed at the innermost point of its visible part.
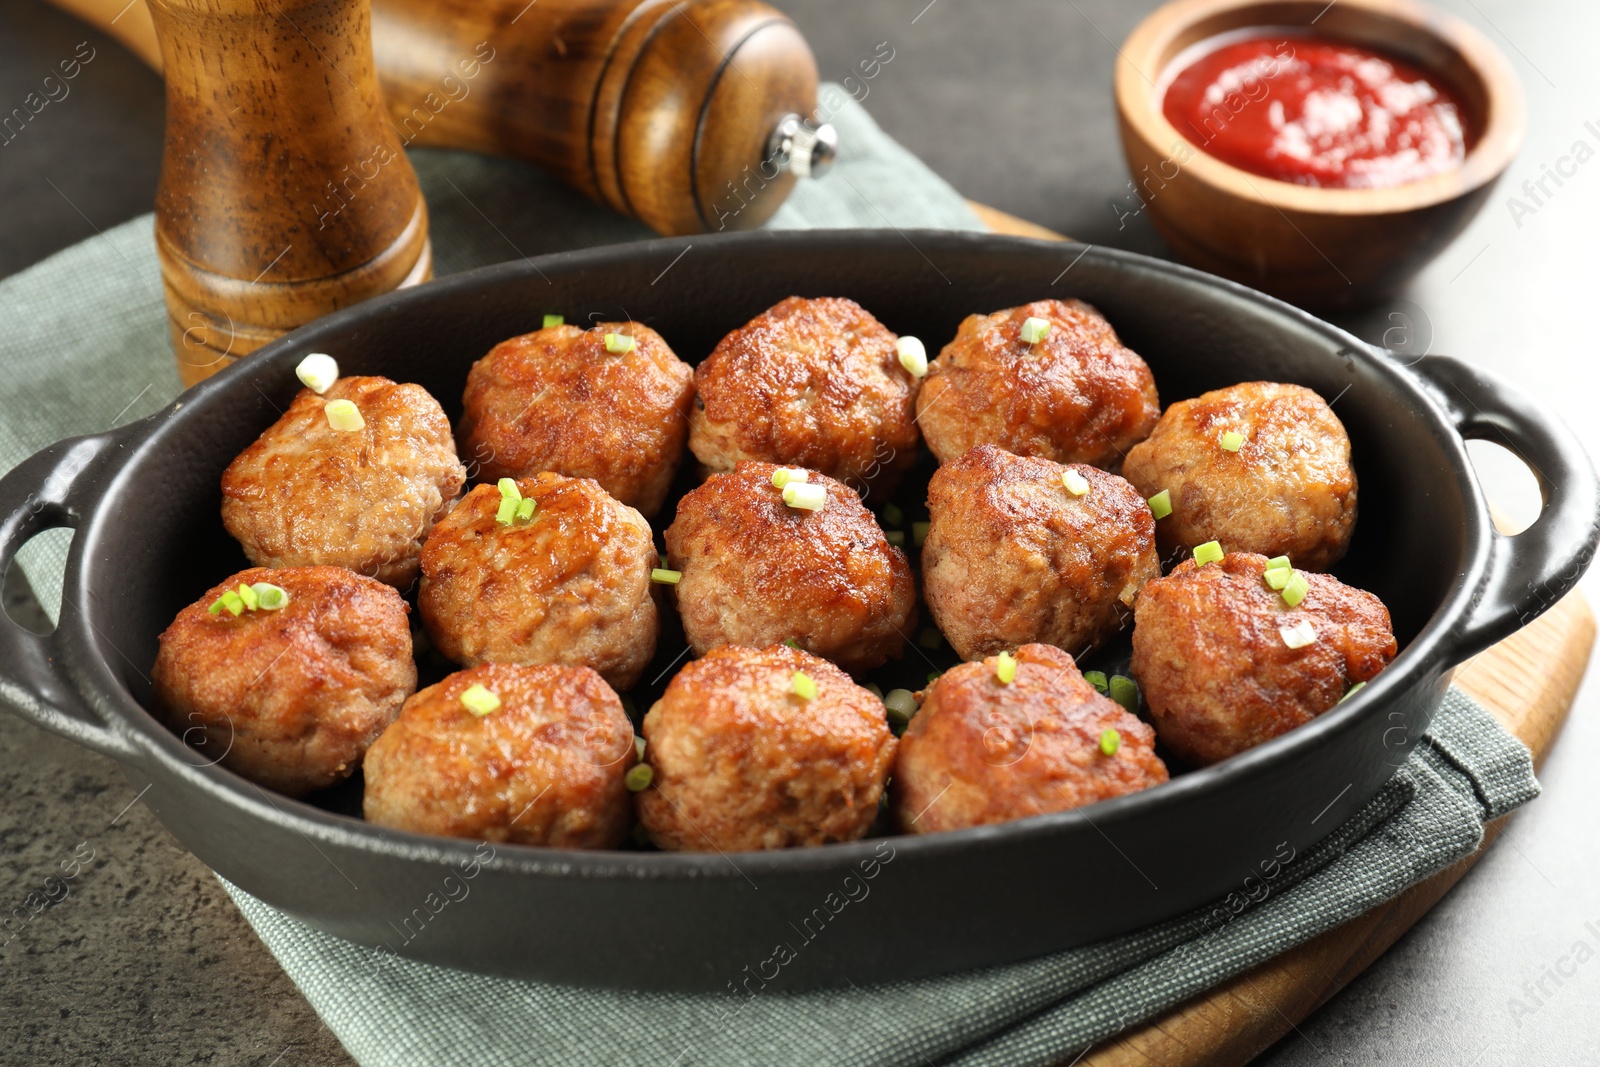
(803, 149)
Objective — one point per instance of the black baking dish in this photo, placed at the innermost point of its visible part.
(144, 501)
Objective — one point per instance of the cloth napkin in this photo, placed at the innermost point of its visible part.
(85, 348)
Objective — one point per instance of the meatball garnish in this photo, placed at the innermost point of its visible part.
(763, 749)
(1023, 550)
(1259, 467)
(286, 676)
(1014, 736)
(353, 477)
(1046, 379)
(525, 755)
(757, 571)
(1233, 653)
(812, 383)
(547, 569)
(610, 403)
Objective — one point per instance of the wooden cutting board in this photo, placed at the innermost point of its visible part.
(1528, 681)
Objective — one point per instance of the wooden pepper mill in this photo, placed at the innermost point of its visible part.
(284, 191)
(689, 115)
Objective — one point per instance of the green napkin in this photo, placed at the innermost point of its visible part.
(85, 348)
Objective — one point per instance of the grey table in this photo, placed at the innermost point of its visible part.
(145, 961)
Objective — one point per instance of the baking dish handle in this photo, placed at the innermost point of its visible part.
(39, 494)
(1529, 571)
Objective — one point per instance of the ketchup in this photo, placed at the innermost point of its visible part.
(1315, 111)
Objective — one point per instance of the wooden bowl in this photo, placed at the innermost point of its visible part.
(1317, 247)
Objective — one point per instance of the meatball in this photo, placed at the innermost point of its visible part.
(1211, 653)
(1014, 557)
(757, 572)
(1077, 396)
(742, 761)
(812, 383)
(559, 400)
(570, 585)
(544, 768)
(291, 697)
(1289, 489)
(305, 493)
(980, 751)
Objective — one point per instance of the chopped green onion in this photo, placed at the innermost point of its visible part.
(1296, 590)
(805, 497)
(343, 415)
(1276, 562)
(639, 777)
(896, 538)
(1075, 483)
(790, 642)
(901, 705)
(803, 686)
(1005, 668)
(1232, 441)
(526, 508)
(477, 699)
(317, 372)
(930, 637)
(233, 602)
(1161, 504)
(508, 489)
(270, 597)
(1110, 741)
(638, 742)
(1210, 552)
(1034, 329)
(919, 533)
(893, 516)
(619, 344)
(1278, 577)
(1096, 679)
(216, 606)
(662, 576)
(934, 676)
(506, 513)
(1299, 635)
(784, 475)
(1352, 691)
(553, 320)
(875, 689)
(1125, 692)
(913, 356)
(248, 595)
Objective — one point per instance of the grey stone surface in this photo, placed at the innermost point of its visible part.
(143, 960)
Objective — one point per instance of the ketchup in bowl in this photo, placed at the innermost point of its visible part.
(1314, 111)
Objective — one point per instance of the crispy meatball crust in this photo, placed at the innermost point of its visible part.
(306, 494)
(292, 697)
(1215, 671)
(1289, 490)
(809, 383)
(545, 769)
(570, 586)
(741, 762)
(556, 400)
(980, 752)
(757, 572)
(1078, 396)
(1012, 557)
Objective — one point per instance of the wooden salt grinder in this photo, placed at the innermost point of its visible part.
(284, 191)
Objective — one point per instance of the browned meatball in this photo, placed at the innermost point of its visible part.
(288, 698)
(1013, 556)
(571, 585)
(980, 751)
(1210, 654)
(741, 761)
(557, 400)
(1288, 490)
(1077, 396)
(545, 768)
(809, 383)
(757, 572)
(305, 493)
